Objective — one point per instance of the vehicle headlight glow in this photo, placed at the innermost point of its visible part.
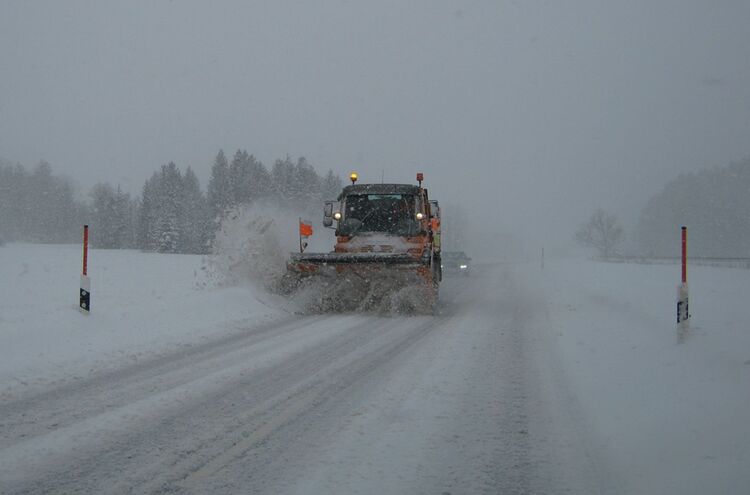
(420, 215)
(337, 215)
(463, 267)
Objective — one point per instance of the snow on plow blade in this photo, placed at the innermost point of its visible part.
(365, 281)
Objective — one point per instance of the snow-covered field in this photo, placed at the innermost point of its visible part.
(571, 379)
(667, 408)
(142, 303)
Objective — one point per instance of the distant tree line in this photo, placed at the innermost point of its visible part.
(38, 206)
(172, 215)
(715, 206)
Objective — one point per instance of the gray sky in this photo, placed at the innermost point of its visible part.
(530, 113)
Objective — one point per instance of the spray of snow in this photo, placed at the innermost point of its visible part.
(253, 245)
(247, 248)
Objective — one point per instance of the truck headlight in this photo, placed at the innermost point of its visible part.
(463, 267)
(337, 215)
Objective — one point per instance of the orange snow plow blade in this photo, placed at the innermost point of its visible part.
(365, 281)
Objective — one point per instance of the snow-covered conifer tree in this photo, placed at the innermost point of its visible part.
(239, 178)
(103, 216)
(147, 215)
(194, 218)
(282, 175)
(259, 186)
(330, 186)
(306, 185)
(219, 187)
(168, 217)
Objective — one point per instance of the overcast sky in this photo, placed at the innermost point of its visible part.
(531, 113)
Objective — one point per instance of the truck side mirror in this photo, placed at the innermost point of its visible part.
(328, 214)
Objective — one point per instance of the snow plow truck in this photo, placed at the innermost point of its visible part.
(387, 251)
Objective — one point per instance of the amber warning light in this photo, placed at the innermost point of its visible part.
(353, 176)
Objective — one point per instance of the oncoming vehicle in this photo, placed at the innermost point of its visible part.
(456, 262)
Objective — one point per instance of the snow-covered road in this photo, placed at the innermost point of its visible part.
(456, 403)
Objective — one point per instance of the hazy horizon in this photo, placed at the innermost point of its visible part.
(529, 114)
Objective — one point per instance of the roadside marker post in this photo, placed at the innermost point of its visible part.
(683, 308)
(84, 295)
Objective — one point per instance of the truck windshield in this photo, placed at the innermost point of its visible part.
(389, 213)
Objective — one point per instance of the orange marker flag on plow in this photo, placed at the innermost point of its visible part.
(305, 229)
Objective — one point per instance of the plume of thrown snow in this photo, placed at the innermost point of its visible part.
(252, 246)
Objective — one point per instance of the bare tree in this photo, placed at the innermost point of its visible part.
(602, 232)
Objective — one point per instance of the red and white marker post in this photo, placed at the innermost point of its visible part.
(84, 299)
(683, 308)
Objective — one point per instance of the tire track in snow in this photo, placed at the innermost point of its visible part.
(61, 406)
(447, 414)
(183, 425)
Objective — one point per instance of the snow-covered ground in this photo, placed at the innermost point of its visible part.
(571, 379)
(668, 408)
(142, 303)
